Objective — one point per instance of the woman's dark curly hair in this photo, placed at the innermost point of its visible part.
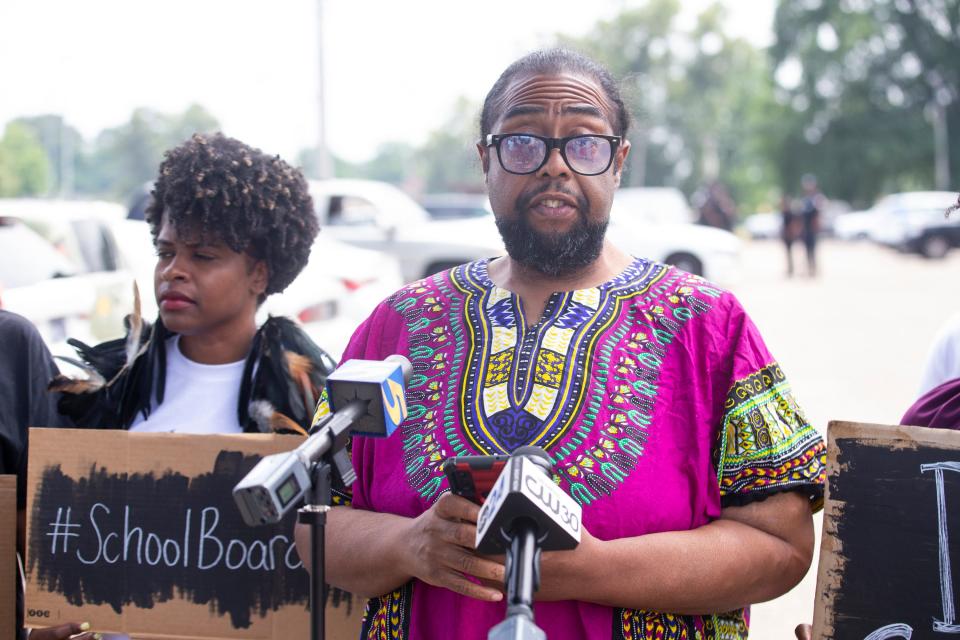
(254, 203)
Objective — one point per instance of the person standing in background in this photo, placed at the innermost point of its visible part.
(811, 206)
(788, 229)
(717, 208)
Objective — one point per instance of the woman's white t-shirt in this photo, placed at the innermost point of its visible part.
(198, 398)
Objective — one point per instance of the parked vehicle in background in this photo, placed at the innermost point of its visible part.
(454, 206)
(655, 223)
(833, 210)
(377, 215)
(40, 283)
(654, 204)
(80, 233)
(916, 221)
(767, 225)
(334, 293)
(705, 251)
(667, 235)
(856, 225)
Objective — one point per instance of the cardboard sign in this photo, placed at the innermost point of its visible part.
(139, 533)
(889, 559)
(8, 555)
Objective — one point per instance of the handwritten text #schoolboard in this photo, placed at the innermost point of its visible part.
(139, 533)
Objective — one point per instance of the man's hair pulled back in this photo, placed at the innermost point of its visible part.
(555, 62)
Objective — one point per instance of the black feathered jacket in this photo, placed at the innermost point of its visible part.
(283, 376)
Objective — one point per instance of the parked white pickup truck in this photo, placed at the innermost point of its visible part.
(377, 215)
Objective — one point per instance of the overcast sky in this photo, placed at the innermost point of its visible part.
(393, 69)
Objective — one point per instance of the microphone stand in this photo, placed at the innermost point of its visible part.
(314, 513)
(329, 452)
(523, 579)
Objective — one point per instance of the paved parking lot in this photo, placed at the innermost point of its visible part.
(852, 341)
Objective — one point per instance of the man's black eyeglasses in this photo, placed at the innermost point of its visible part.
(523, 153)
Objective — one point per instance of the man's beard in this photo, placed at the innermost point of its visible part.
(555, 255)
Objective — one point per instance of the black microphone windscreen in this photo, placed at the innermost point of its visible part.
(536, 455)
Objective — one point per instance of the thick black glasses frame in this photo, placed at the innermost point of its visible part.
(553, 143)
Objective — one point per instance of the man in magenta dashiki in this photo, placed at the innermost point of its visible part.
(664, 413)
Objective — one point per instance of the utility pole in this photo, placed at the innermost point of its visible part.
(324, 162)
(65, 161)
(941, 147)
(941, 96)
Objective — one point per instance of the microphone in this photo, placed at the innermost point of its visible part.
(366, 397)
(525, 490)
(525, 514)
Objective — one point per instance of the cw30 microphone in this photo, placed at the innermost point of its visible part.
(366, 397)
(525, 490)
(525, 513)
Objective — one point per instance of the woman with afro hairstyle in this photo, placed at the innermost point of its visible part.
(231, 225)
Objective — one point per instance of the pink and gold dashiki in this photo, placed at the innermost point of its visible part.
(653, 393)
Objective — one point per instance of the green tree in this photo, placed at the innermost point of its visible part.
(126, 157)
(307, 161)
(702, 101)
(24, 168)
(448, 160)
(636, 47)
(392, 163)
(865, 81)
(63, 146)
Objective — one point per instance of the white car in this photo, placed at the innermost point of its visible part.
(916, 221)
(701, 250)
(456, 206)
(654, 204)
(766, 225)
(856, 225)
(41, 284)
(377, 215)
(335, 292)
(80, 232)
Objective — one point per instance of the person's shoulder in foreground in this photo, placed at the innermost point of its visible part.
(943, 356)
(25, 368)
(937, 408)
(21, 347)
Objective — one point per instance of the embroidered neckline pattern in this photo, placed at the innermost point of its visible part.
(526, 385)
(592, 344)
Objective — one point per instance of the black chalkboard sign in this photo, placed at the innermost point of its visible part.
(887, 566)
(139, 533)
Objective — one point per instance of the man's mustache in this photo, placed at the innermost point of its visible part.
(525, 199)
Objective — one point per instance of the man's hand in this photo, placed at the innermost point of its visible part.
(71, 630)
(804, 632)
(442, 550)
